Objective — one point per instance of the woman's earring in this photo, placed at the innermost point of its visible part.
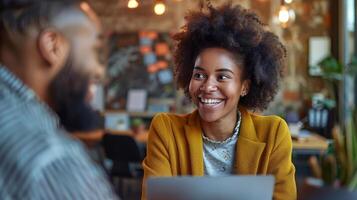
(243, 93)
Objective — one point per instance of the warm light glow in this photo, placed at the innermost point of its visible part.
(291, 15)
(159, 8)
(288, 1)
(283, 14)
(133, 4)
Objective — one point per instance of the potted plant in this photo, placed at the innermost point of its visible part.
(338, 167)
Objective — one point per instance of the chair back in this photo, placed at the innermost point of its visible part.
(321, 120)
(121, 148)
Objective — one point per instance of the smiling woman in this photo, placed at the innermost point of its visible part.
(216, 87)
(227, 63)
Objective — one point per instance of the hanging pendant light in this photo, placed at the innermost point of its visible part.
(133, 4)
(285, 15)
(159, 7)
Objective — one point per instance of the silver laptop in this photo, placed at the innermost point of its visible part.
(210, 188)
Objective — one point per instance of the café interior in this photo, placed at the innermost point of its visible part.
(316, 97)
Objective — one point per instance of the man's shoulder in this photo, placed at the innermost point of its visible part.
(34, 143)
(22, 117)
(7, 99)
(42, 159)
(28, 131)
(13, 110)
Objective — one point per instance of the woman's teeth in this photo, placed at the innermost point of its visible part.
(210, 101)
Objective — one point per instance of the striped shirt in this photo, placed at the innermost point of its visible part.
(38, 159)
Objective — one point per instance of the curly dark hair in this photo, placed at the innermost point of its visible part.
(241, 32)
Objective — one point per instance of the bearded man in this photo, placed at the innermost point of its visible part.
(48, 57)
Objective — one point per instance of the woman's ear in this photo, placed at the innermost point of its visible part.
(53, 47)
(245, 87)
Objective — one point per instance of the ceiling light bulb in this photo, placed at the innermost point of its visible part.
(283, 15)
(133, 4)
(159, 8)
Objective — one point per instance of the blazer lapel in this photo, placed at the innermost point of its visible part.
(249, 149)
(194, 139)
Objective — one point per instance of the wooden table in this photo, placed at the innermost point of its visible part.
(311, 144)
(94, 137)
(314, 144)
(305, 147)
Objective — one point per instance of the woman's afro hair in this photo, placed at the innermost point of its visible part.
(241, 32)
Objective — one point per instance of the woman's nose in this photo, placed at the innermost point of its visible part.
(209, 86)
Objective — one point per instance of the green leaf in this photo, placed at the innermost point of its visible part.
(330, 66)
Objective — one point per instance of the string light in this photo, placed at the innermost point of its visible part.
(159, 8)
(132, 4)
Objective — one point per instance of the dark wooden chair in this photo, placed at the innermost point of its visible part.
(125, 155)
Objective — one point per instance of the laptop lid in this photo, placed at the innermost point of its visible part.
(209, 188)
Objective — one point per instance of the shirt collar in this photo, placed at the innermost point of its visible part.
(11, 81)
(15, 84)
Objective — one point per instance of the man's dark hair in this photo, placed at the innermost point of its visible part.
(17, 16)
(241, 32)
(69, 88)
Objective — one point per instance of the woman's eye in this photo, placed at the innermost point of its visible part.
(198, 76)
(223, 77)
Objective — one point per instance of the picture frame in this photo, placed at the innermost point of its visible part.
(136, 100)
(116, 121)
(319, 48)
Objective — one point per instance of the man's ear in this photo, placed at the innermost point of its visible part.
(53, 47)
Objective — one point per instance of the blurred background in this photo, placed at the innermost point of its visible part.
(317, 97)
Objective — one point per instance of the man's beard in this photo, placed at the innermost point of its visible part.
(68, 93)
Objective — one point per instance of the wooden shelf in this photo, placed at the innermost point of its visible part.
(133, 114)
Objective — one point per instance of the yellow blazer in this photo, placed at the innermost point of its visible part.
(264, 146)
